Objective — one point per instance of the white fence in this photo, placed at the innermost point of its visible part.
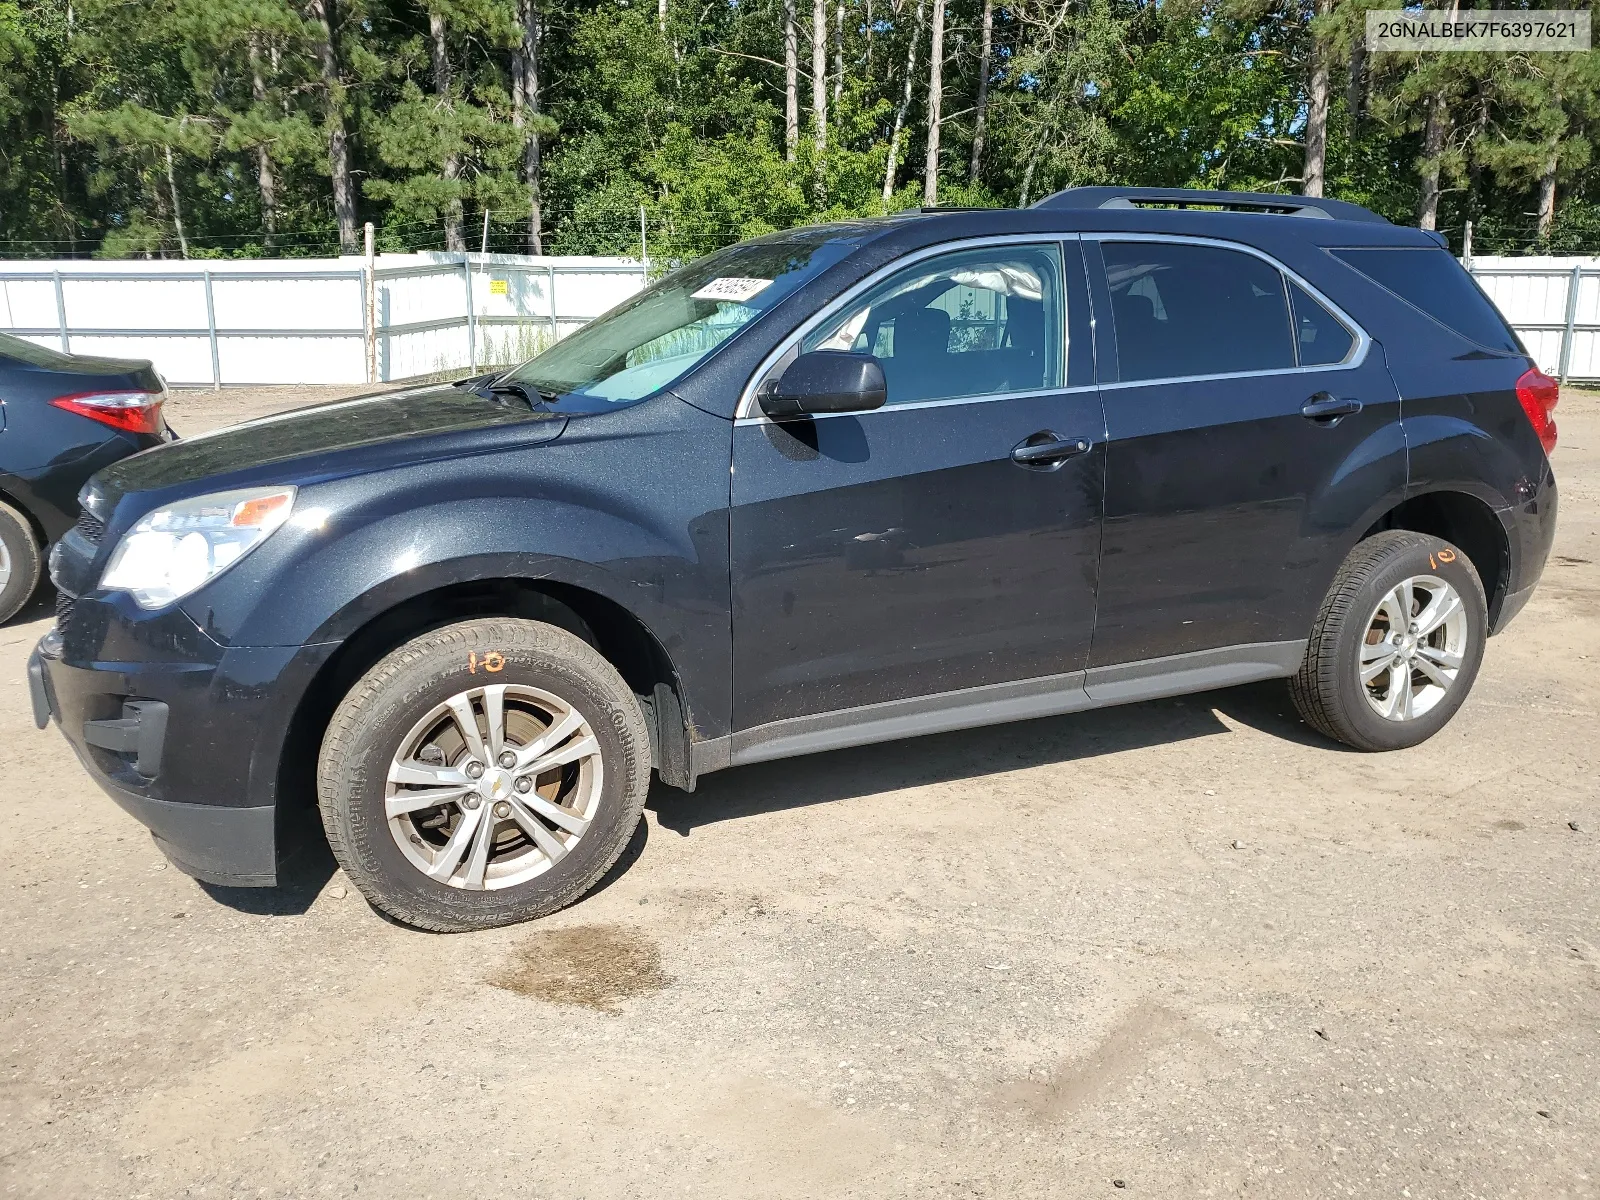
(306, 320)
(1553, 304)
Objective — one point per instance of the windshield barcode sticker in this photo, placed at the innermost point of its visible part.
(734, 288)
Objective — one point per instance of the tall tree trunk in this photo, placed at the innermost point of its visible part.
(1313, 175)
(838, 53)
(177, 209)
(525, 116)
(322, 15)
(1355, 88)
(869, 41)
(266, 180)
(661, 16)
(453, 237)
(1027, 175)
(1480, 126)
(791, 81)
(1434, 132)
(1433, 136)
(1547, 191)
(819, 93)
(981, 109)
(905, 103)
(930, 174)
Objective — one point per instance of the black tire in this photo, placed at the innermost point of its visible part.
(22, 552)
(1328, 690)
(377, 714)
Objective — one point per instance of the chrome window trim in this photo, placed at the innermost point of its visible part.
(986, 398)
(746, 413)
(1356, 356)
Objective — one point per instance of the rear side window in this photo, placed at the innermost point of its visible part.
(1322, 338)
(1195, 310)
(1436, 283)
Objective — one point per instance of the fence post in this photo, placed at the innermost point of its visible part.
(1573, 282)
(369, 306)
(61, 314)
(211, 333)
(472, 316)
(550, 292)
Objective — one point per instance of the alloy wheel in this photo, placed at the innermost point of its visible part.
(493, 787)
(1415, 644)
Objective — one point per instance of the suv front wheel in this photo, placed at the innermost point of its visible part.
(485, 773)
(1397, 644)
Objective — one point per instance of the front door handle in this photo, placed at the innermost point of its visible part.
(1325, 406)
(1047, 450)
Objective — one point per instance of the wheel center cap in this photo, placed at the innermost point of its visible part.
(495, 784)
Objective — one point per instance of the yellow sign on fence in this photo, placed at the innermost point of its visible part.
(498, 287)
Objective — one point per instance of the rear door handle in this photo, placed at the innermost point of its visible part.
(1047, 449)
(1325, 406)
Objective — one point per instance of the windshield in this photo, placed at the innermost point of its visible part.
(654, 338)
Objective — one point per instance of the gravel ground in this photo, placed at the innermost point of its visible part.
(1180, 949)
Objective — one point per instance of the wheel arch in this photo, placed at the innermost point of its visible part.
(1466, 521)
(620, 636)
(31, 519)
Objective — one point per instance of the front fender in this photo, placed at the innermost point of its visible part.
(631, 506)
(360, 572)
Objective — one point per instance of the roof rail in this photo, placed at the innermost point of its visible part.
(1263, 202)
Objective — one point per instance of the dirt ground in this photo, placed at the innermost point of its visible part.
(1180, 949)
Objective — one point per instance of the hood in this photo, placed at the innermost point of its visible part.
(329, 440)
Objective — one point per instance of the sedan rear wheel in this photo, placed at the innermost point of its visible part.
(20, 562)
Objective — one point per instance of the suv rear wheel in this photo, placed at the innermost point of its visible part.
(19, 562)
(487, 772)
(1397, 644)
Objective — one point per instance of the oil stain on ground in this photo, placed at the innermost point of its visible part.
(596, 966)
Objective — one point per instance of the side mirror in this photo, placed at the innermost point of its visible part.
(825, 381)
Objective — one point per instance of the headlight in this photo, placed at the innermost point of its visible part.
(176, 549)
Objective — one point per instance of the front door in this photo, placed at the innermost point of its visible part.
(923, 548)
(1248, 427)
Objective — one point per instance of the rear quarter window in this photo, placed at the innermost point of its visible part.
(1437, 284)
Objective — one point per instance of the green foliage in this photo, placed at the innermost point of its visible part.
(123, 123)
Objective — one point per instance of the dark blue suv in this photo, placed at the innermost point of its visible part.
(839, 485)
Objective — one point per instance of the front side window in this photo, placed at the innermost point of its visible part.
(1183, 310)
(651, 340)
(970, 323)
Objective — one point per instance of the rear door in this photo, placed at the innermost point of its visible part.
(1249, 427)
(913, 551)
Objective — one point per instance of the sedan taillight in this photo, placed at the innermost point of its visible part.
(1538, 393)
(132, 412)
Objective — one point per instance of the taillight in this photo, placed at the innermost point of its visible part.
(134, 412)
(1538, 393)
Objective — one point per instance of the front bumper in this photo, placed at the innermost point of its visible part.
(189, 748)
